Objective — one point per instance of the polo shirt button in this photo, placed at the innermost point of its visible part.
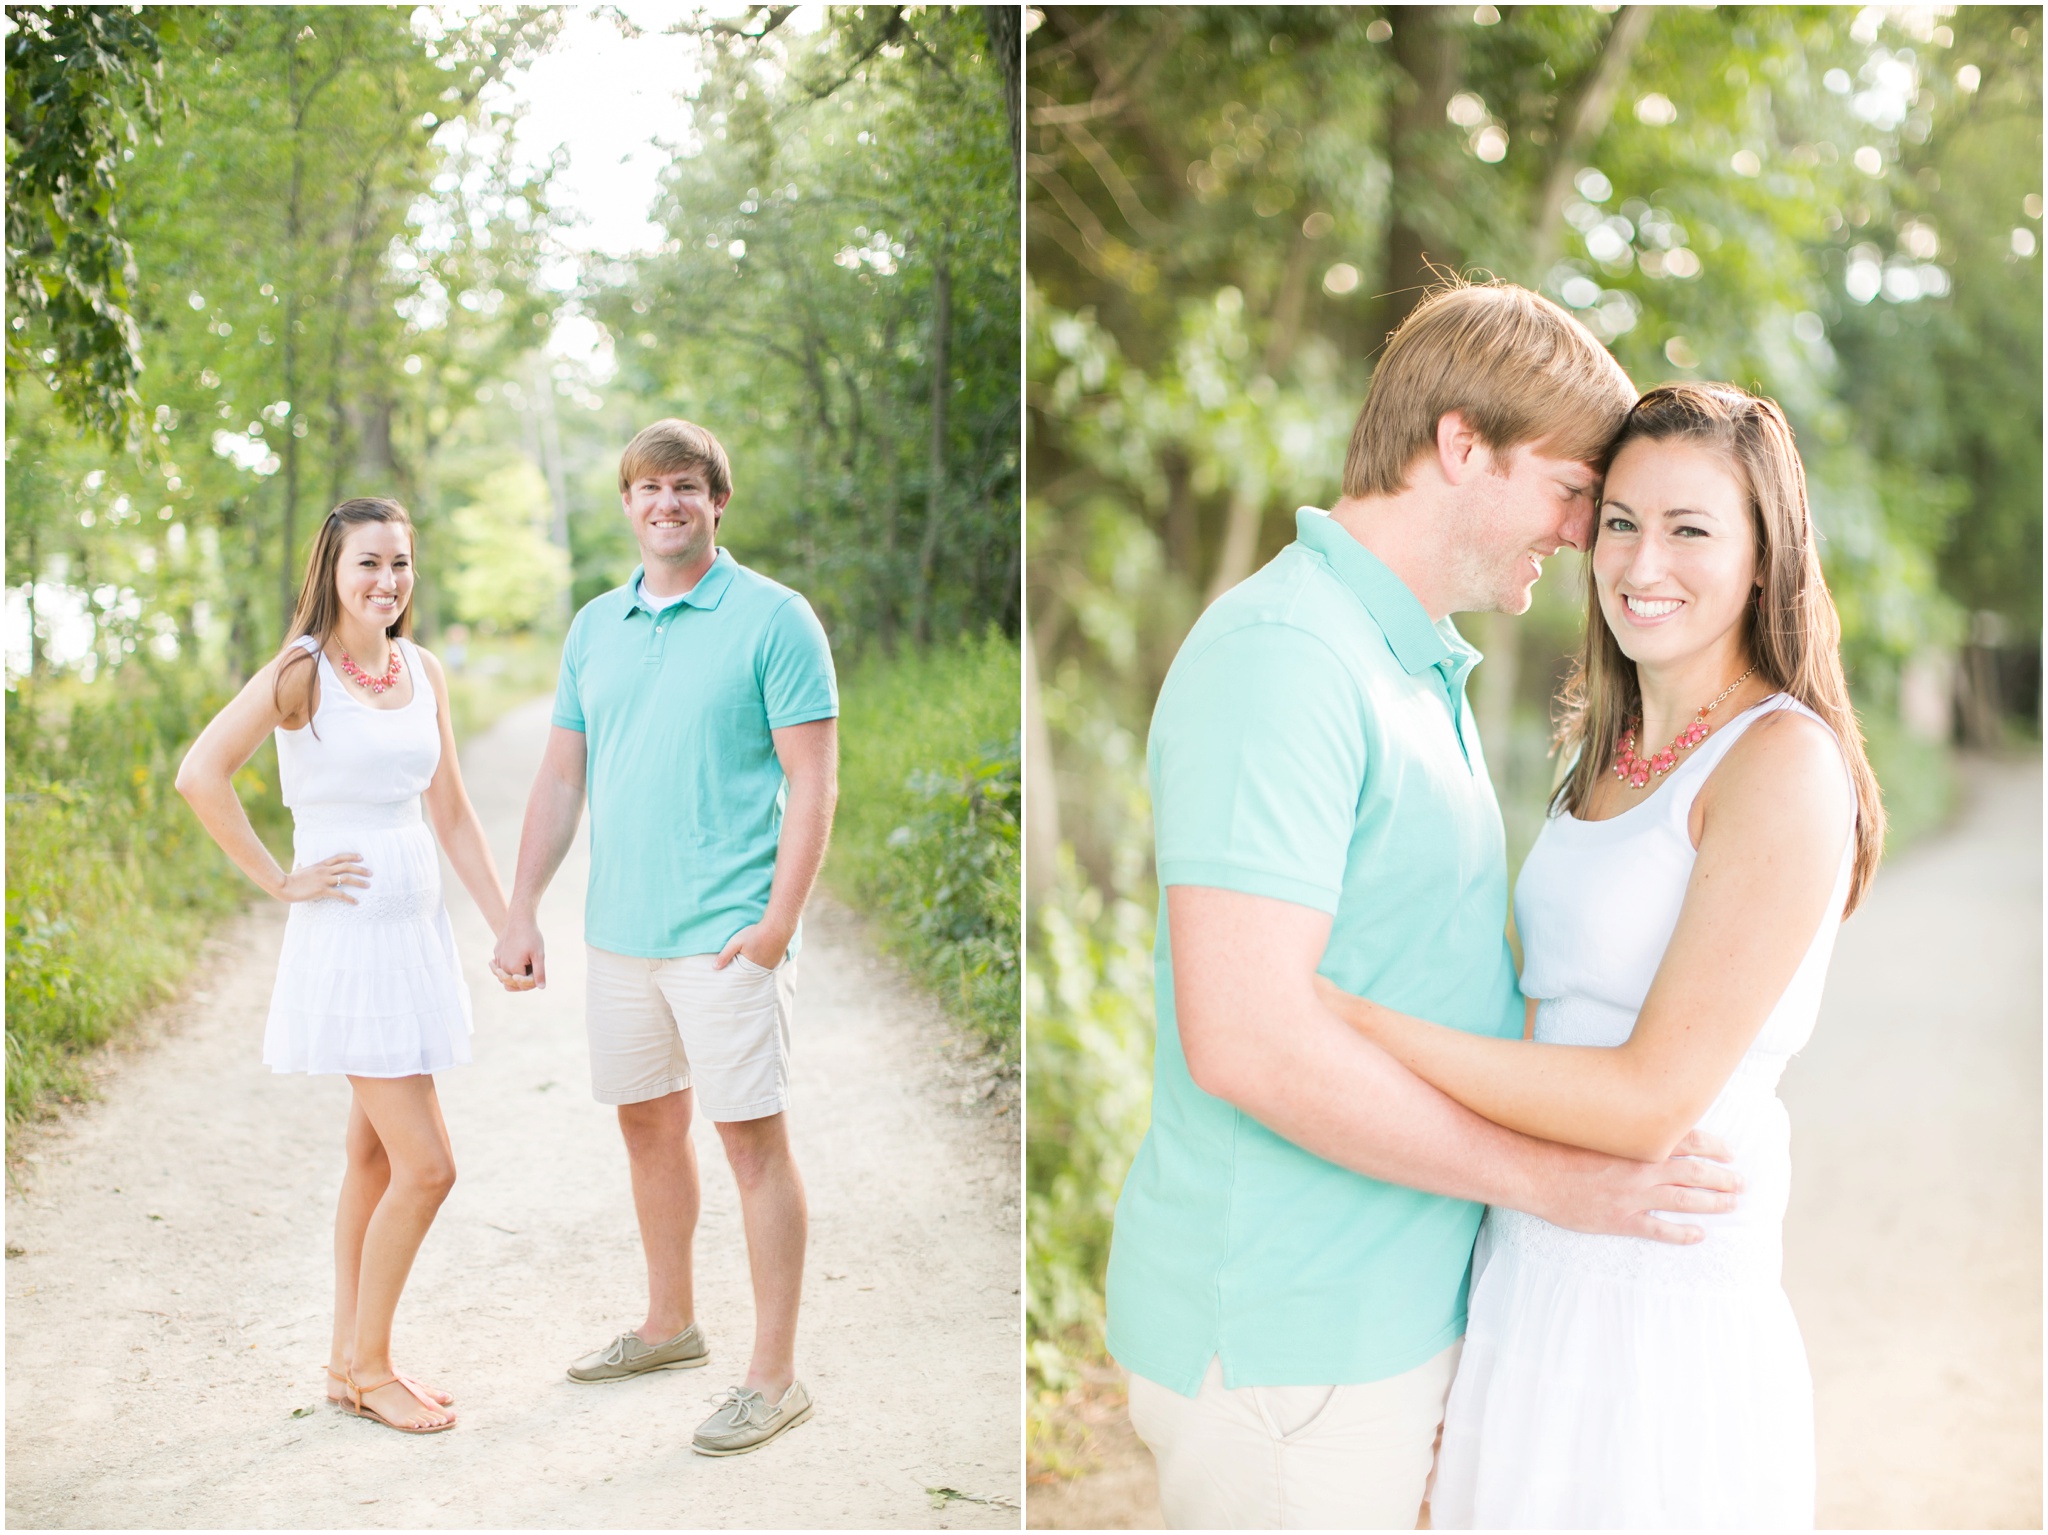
(657, 628)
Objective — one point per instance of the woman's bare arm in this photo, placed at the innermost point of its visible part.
(1776, 816)
(206, 780)
(454, 819)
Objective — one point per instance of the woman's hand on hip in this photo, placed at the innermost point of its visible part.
(330, 879)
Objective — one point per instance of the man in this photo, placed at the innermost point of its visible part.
(1288, 1277)
(697, 703)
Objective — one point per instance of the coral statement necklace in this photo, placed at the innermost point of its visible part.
(382, 684)
(1634, 770)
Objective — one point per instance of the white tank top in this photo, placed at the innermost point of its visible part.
(1597, 903)
(361, 755)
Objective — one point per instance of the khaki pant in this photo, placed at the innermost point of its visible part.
(1295, 1457)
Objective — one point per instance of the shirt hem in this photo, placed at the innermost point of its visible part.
(1248, 879)
(803, 717)
(1188, 1382)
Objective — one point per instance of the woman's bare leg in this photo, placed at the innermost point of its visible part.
(405, 1114)
(362, 1185)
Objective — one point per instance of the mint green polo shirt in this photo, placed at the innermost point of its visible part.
(1312, 744)
(685, 791)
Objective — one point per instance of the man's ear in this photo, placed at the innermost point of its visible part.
(718, 509)
(1459, 450)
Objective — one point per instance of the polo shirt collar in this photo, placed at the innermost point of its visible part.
(706, 594)
(1417, 643)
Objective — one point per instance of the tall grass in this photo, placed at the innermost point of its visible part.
(927, 832)
(111, 883)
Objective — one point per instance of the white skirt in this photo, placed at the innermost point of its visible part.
(374, 989)
(1619, 1383)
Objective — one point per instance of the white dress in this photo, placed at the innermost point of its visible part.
(1615, 1382)
(374, 989)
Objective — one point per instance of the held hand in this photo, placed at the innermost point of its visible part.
(1613, 1197)
(330, 879)
(520, 959)
(760, 945)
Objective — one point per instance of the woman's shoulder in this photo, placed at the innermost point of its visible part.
(294, 674)
(1786, 758)
(429, 662)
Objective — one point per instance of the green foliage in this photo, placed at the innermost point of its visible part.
(510, 576)
(839, 303)
(927, 830)
(111, 883)
(78, 79)
(1089, 1057)
(1918, 779)
(311, 310)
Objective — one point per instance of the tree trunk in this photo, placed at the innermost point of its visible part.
(1429, 46)
(551, 457)
(1183, 554)
(1005, 41)
(942, 399)
(1247, 514)
(1240, 542)
(1041, 786)
(35, 641)
(1578, 126)
(287, 588)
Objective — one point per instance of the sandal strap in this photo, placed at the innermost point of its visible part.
(418, 1391)
(358, 1390)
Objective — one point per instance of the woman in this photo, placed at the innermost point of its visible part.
(368, 984)
(1677, 914)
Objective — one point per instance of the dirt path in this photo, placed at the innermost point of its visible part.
(1913, 1245)
(167, 1318)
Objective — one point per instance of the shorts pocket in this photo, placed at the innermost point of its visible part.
(746, 966)
(1293, 1412)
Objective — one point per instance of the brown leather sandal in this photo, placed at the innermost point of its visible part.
(418, 1392)
(440, 1398)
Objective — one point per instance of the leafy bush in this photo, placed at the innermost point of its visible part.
(927, 831)
(111, 882)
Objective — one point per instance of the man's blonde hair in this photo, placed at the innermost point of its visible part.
(671, 444)
(1514, 365)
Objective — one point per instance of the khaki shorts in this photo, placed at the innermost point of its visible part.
(658, 1026)
(1295, 1457)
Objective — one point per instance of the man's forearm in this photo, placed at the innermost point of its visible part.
(1314, 1081)
(552, 812)
(806, 828)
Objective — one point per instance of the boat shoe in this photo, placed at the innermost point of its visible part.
(745, 1420)
(629, 1354)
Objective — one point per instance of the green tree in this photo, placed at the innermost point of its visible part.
(82, 85)
(839, 300)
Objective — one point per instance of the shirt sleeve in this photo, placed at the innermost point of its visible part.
(568, 697)
(797, 681)
(1258, 762)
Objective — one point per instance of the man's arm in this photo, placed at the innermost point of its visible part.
(1255, 1034)
(809, 754)
(552, 811)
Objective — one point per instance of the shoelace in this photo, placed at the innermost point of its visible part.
(746, 1401)
(616, 1354)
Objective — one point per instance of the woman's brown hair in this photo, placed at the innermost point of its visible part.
(1792, 631)
(319, 606)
